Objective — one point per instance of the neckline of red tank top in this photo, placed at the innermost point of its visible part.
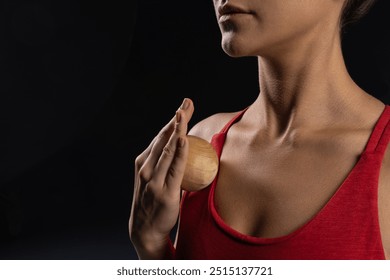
(370, 146)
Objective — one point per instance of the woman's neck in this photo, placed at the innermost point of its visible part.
(305, 86)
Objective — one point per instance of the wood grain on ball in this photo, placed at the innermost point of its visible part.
(202, 164)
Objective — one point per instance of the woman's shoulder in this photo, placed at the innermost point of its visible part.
(211, 125)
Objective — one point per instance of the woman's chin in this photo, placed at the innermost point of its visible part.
(235, 48)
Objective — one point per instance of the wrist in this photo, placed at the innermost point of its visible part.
(152, 247)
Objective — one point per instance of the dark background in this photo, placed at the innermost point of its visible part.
(85, 86)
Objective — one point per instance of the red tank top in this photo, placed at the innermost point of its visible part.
(347, 227)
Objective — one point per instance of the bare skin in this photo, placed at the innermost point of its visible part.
(309, 115)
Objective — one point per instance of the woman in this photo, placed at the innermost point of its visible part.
(311, 179)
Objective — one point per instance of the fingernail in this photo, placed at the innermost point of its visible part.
(178, 117)
(185, 104)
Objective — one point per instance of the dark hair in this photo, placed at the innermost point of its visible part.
(354, 10)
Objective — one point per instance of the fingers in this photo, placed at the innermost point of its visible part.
(164, 133)
(176, 170)
(188, 108)
(147, 161)
(149, 157)
(171, 164)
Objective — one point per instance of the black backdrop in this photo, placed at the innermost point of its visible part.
(85, 85)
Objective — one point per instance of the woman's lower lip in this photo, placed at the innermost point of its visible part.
(231, 16)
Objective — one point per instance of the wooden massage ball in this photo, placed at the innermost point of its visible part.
(202, 164)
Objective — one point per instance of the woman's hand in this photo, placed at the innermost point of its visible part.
(158, 175)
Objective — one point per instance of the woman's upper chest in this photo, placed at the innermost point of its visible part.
(279, 187)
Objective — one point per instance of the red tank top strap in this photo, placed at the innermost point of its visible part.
(385, 137)
(381, 134)
(219, 138)
(236, 118)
